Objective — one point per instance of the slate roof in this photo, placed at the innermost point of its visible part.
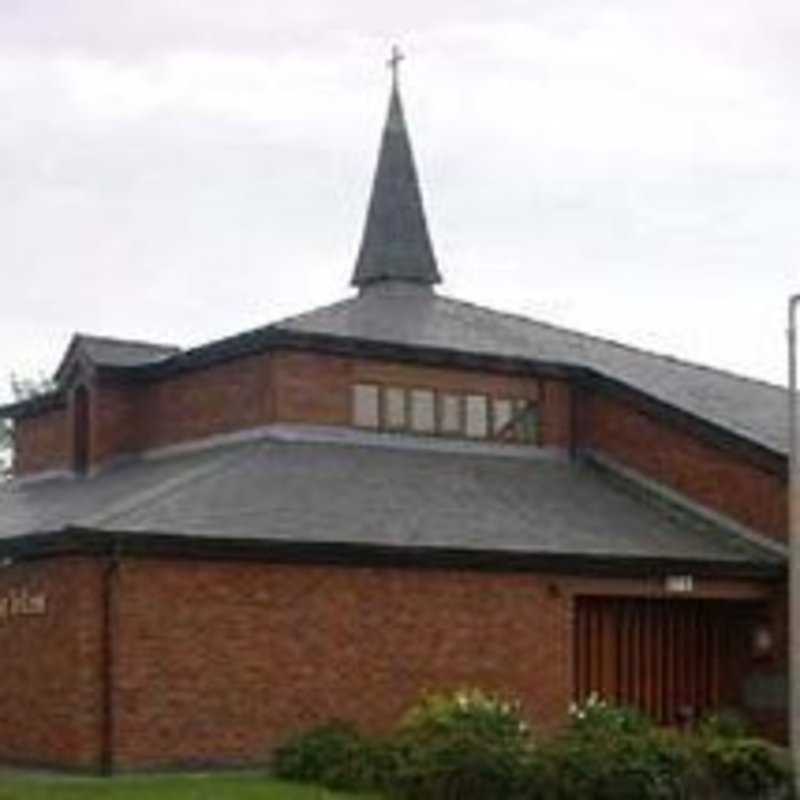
(402, 314)
(396, 244)
(108, 352)
(347, 495)
(123, 353)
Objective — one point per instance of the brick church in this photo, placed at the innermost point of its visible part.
(203, 551)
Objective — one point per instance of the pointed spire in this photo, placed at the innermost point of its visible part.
(396, 245)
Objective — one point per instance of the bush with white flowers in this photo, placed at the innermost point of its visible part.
(464, 745)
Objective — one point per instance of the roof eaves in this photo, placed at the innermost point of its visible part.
(57, 542)
(73, 540)
(34, 405)
(276, 337)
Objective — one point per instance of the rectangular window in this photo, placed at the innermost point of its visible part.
(365, 406)
(450, 414)
(477, 422)
(426, 411)
(423, 411)
(527, 426)
(502, 411)
(395, 409)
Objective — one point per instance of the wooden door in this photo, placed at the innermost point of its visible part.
(673, 659)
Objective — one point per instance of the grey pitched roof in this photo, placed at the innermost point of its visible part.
(343, 494)
(751, 409)
(105, 351)
(124, 353)
(395, 244)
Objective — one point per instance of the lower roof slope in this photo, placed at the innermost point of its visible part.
(401, 314)
(309, 494)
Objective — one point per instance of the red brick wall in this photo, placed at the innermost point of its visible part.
(114, 422)
(50, 692)
(316, 388)
(707, 474)
(254, 391)
(41, 443)
(556, 413)
(220, 662)
(220, 399)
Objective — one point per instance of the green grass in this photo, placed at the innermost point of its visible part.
(183, 787)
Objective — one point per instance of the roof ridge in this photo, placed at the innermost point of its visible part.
(161, 490)
(117, 340)
(703, 519)
(612, 342)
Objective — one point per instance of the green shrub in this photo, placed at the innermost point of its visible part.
(463, 746)
(475, 746)
(596, 717)
(613, 752)
(651, 765)
(742, 767)
(726, 724)
(336, 756)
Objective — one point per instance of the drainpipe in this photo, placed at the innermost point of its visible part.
(109, 582)
(794, 550)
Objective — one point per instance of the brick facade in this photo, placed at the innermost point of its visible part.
(51, 692)
(316, 388)
(224, 398)
(176, 662)
(249, 392)
(216, 663)
(41, 443)
(249, 653)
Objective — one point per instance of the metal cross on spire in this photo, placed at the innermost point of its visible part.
(394, 63)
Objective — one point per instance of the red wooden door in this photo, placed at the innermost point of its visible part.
(673, 659)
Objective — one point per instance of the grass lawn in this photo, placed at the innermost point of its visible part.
(15, 786)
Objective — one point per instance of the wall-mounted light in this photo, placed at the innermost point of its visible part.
(763, 641)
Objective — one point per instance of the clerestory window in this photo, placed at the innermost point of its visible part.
(426, 411)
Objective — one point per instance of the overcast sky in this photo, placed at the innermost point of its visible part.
(180, 171)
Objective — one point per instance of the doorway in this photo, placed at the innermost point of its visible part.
(672, 659)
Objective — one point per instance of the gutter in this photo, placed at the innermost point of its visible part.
(137, 544)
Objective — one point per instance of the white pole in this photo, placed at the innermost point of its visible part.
(794, 550)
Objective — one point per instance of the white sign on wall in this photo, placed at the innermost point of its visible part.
(22, 603)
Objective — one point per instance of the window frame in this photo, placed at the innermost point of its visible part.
(354, 389)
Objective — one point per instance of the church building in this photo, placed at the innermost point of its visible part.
(205, 551)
